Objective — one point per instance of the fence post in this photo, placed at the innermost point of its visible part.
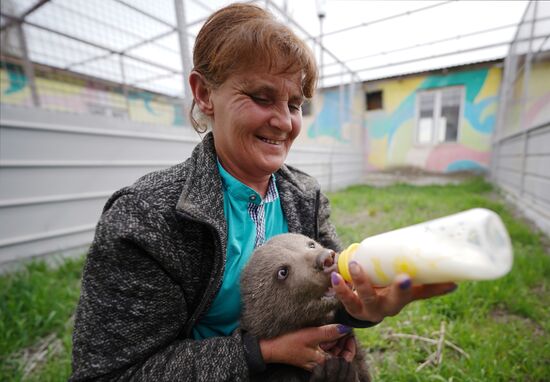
(524, 98)
(184, 53)
(27, 64)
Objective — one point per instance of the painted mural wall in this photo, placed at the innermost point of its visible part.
(336, 118)
(390, 132)
(66, 93)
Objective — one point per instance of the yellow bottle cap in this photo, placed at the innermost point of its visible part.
(343, 260)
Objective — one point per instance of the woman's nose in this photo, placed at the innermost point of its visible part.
(281, 118)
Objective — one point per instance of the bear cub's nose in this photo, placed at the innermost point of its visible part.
(325, 261)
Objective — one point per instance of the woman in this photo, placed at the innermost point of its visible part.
(160, 296)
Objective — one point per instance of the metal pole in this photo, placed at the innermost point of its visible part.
(184, 53)
(124, 85)
(27, 64)
(525, 95)
(321, 61)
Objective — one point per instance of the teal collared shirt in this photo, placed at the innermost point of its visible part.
(251, 221)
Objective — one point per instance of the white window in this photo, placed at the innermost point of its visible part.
(438, 115)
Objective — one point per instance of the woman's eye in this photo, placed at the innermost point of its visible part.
(311, 244)
(293, 107)
(282, 273)
(260, 100)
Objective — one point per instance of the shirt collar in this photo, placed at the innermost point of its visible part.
(242, 192)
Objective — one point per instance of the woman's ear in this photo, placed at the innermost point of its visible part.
(201, 93)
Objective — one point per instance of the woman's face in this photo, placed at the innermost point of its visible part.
(256, 117)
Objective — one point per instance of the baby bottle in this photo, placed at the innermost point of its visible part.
(470, 245)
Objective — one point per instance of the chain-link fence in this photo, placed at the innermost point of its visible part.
(111, 58)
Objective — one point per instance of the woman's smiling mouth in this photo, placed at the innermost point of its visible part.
(271, 141)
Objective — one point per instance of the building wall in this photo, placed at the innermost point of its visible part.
(68, 93)
(390, 133)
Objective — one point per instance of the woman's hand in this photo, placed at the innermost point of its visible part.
(369, 303)
(304, 348)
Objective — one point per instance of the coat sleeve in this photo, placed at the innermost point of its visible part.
(327, 232)
(131, 312)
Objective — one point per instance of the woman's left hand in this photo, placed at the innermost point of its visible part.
(369, 303)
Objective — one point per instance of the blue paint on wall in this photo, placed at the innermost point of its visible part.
(472, 112)
(328, 122)
(16, 78)
(465, 165)
(145, 97)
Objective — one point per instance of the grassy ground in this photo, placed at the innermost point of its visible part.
(500, 329)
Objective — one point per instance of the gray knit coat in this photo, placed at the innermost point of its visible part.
(155, 266)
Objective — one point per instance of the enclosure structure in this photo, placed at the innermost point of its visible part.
(93, 96)
(520, 162)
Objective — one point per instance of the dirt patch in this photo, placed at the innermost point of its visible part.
(415, 176)
(502, 315)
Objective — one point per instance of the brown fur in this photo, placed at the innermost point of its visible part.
(274, 304)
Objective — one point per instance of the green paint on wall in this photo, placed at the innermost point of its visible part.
(472, 81)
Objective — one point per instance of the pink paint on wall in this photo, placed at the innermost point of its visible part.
(542, 104)
(443, 155)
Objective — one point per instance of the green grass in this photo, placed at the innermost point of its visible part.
(502, 325)
(36, 308)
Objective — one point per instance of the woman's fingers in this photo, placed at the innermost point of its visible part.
(349, 299)
(373, 304)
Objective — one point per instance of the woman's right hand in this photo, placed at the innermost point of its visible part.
(302, 348)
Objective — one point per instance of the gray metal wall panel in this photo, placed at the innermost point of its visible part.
(19, 222)
(512, 147)
(18, 144)
(511, 178)
(513, 163)
(539, 142)
(538, 165)
(525, 176)
(56, 176)
(22, 183)
(538, 187)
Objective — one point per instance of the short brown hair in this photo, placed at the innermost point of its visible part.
(245, 36)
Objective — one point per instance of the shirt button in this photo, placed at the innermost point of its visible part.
(252, 197)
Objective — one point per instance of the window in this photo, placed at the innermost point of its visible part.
(438, 115)
(374, 100)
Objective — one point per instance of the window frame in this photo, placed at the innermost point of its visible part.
(437, 115)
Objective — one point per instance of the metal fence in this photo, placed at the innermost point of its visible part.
(521, 146)
(111, 58)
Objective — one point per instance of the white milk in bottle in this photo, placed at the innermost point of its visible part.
(470, 245)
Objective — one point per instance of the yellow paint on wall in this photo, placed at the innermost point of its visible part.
(58, 88)
(491, 86)
(489, 110)
(163, 113)
(539, 82)
(472, 138)
(21, 97)
(395, 91)
(401, 143)
(378, 152)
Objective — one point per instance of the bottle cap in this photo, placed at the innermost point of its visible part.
(343, 261)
